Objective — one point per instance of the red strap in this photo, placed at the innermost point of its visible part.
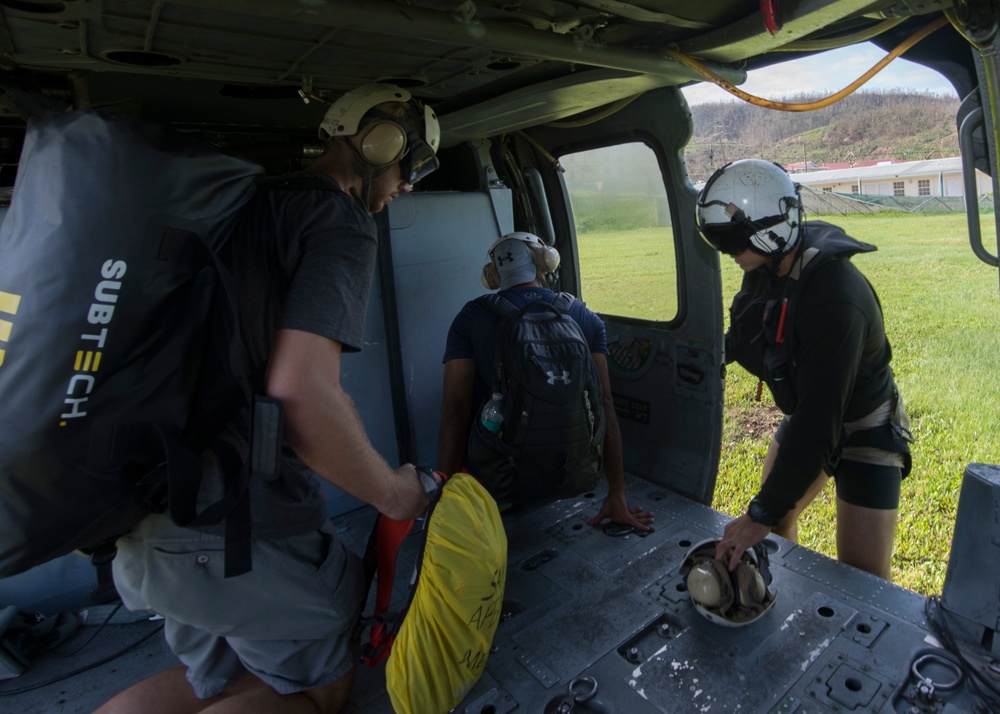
(390, 537)
(379, 646)
(770, 13)
(780, 337)
(390, 534)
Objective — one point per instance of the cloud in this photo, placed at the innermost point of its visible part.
(826, 73)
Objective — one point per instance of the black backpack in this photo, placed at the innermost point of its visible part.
(551, 439)
(120, 355)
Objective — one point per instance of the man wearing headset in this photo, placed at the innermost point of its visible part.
(279, 638)
(518, 266)
(808, 323)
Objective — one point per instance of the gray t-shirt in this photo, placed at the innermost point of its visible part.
(301, 259)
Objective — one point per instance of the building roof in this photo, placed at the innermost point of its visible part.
(907, 169)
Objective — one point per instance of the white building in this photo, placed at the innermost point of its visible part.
(932, 177)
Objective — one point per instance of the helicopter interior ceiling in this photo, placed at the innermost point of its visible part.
(486, 66)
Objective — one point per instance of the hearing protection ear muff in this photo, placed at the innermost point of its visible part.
(381, 143)
(731, 599)
(490, 278)
(545, 256)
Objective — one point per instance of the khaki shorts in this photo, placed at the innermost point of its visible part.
(289, 621)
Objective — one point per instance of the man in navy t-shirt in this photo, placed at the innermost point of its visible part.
(519, 264)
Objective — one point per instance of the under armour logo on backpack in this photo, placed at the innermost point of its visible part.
(553, 377)
(501, 259)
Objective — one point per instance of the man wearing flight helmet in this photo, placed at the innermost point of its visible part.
(383, 127)
(302, 255)
(809, 324)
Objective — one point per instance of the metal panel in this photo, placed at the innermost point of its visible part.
(439, 243)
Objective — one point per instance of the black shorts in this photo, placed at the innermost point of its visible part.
(860, 484)
(868, 485)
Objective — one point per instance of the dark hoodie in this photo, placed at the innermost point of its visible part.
(824, 355)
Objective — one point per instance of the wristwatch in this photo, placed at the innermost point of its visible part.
(759, 514)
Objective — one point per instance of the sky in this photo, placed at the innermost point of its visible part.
(827, 73)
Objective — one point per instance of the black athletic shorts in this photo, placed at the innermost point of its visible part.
(868, 485)
(861, 484)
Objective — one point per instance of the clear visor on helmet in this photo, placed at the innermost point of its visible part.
(419, 162)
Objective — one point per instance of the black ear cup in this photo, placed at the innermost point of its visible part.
(382, 143)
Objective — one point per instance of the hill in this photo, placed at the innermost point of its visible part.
(866, 125)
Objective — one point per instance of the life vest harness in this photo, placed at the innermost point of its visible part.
(776, 346)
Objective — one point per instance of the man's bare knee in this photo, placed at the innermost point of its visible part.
(331, 698)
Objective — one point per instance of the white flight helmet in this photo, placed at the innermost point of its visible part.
(750, 204)
(730, 599)
(386, 139)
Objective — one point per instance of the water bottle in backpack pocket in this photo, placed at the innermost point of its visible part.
(491, 416)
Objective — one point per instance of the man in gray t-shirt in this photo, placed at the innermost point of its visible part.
(302, 256)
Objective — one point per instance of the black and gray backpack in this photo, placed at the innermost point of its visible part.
(120, 353)
(551, 440)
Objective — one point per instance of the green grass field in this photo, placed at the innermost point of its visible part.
(942, 315)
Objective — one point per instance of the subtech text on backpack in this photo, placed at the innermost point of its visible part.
(113, 310)
(551, 440)
(435, 643)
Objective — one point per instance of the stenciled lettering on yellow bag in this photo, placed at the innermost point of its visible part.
(487, 617)
(88, 356)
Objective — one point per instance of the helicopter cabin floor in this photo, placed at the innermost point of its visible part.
(586, 606)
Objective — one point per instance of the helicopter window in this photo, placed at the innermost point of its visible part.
(628, 265)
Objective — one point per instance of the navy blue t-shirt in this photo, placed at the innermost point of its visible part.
(473, 333)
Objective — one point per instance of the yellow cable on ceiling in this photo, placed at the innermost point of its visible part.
(906, 44)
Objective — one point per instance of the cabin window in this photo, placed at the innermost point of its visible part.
(625, 238)
(898, 189)
(924, 187)
(828, 189)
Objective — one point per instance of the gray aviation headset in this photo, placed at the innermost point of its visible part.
(545, 256)
(384, 140)
(730, 599)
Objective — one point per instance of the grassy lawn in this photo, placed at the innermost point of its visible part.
(942, 315)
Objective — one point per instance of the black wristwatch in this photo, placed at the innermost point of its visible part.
(759, 514)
